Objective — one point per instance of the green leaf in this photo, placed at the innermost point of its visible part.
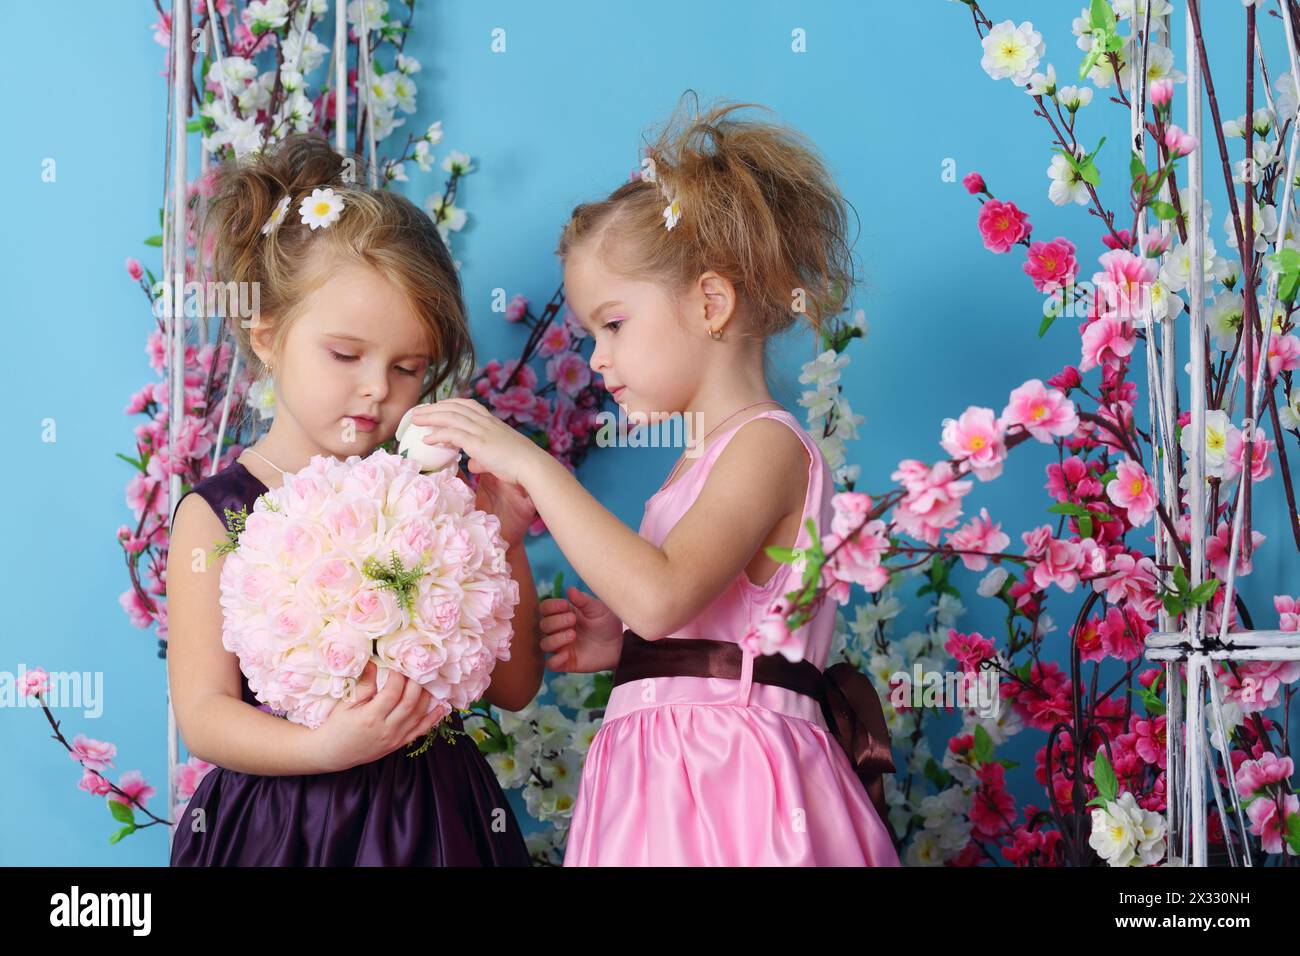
(1136, 167)
(125, 831)
(784, 555)
(1204, 591)
(1180, 578)
(1068, 508)
(1151, 700)
(153, 241)
(1162, 209)
(195, 125)
(1101, 16)
(983, 745)
(121, 812)
(1085, 526)
(1103, 776)
(1046, 324)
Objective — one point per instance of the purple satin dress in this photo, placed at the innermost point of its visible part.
(443, 808)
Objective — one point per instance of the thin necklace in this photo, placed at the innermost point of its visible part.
(672, 473)
(267, 460)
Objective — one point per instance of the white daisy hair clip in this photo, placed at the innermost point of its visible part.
(321, 208)
(673, 211)
(277, 215)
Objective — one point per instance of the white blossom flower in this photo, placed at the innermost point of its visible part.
(263, 15)
(1223, 318)
(1042, 84)
(1074, 98)
(423, 159)
(1124, 834)
(434, 134)
(1012, 51)
(1176, 269)
(1067, 185)
(448, 217)
(992, 582)
(375, 11)
(457, 162)
(1217, 429)
(408, 64)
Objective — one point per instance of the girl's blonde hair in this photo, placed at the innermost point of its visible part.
(758, 206)
(375, 227)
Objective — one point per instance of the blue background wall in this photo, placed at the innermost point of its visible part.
(889, 91)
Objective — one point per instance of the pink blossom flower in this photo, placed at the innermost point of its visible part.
(1123, 285)
(1124, 240)
(1260, 446)
(1269, 770)
(1257, 684)
(95, 754)
(516, 308)
(134, 270)
(1106, 340)
(569, 372)
(554, 339)
(1072, 480)
(856, 560)
(933, 499)
(1131, 582)
(1122, 634)
(517, 402)
(969, 650)
(1133, 490)
(1041, 411)
(979, 534)
(772, 635)
(850, 510)
(992, 806)
(974, 183)
(976, 438)
(1270, 825)
(1059, 565)
(1218, 547)
(1179, 142)
(33, 683)
(132, 783)
(189, 775)
(1051, 265)
(94, 783)
(1157, 245)
(1160, 92)
(1002, 225)
(1066, 379)
(1289, 608)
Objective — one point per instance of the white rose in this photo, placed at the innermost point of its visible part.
(411, 443)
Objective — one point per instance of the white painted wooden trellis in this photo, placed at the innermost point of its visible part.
(1187, 762)
(174, 233)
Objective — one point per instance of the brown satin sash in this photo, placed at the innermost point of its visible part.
(848, 699)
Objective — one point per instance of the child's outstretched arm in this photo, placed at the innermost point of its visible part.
(756, 481)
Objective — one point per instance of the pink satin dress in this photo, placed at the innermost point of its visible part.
(704, 771)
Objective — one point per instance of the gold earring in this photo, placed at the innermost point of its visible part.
(715, 334)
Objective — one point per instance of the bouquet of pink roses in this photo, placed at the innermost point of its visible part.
(360, 560)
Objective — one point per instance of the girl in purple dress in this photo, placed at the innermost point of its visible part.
(360, 318)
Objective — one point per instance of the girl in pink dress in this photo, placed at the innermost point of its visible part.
(708, 754)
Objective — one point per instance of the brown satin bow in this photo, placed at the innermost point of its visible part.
(847, 697)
